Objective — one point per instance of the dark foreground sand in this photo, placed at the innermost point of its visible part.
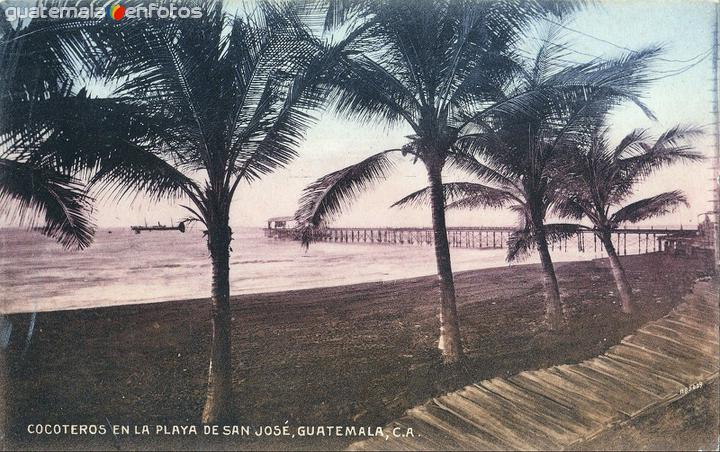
(353, 355)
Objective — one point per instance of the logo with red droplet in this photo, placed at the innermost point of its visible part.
(117, 12)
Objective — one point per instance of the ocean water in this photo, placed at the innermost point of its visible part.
(121, 267)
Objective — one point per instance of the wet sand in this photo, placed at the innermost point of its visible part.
(351, 355)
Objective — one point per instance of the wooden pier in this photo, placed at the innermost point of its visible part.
(563, 406)
(467, 237)
(489, 237)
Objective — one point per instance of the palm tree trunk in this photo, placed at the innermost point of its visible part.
(450, 342)
(621, 281)
(553, 307)
(218, 404)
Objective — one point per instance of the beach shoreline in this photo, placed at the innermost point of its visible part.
(127, 269)
(346, 355)
(292, 293)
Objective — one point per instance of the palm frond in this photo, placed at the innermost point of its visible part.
(649, 207)
(113, 143)
(554, 232)
(617, 80)
(635, 165)
(476, 196)
(603, 83)
(641, 166)
(459, 195)
(366, 91)
(570, 207)
(523, 241)
(677, 135)
(420, 198)
(135, 169)
(326, 197)
(274, 142)
(496, 174)
(674, 139)
(632, 142)
(32, 194)
(340, 11)
(519, 245)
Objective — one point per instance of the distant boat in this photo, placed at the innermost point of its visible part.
(160, 227)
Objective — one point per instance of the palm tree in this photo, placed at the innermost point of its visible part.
(200, 107)
(520, 152)
(435, 67)
(604, 177)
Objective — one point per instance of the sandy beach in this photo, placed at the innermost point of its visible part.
(350, 355)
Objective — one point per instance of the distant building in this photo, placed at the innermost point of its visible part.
(281, 223)
(281, 228)
(706, 231)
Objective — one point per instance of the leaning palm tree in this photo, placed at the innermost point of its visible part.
(520, 152)
(435, 67)
(200, 107)
(601, 178)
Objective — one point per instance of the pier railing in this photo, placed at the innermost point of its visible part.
(492, 237)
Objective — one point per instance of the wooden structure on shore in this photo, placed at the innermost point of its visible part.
(485, 237)
(563, 406)
(690, 244)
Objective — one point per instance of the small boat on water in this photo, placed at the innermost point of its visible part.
(159, 227)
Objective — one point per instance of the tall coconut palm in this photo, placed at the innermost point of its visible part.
(601, 178)
(200, 107)
(520, 152)
(434, 67)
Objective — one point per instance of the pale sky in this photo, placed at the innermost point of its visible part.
(683, 27)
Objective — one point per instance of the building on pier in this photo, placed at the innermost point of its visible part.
(281, 227)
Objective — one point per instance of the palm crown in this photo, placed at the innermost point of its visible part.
(502, 90)
(227, 99)
(603, 177)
